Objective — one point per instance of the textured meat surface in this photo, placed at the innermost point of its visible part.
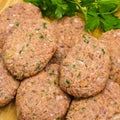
(29, 48)
(113, 40)
(85, 70)
(8, 86)
(13, 17)
(67, 31)
(104, 106)
(40, 97)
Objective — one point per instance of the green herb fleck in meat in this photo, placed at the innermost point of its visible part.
(67, 82)
(78, 75)
(21, 76)
(110, 58)
(73, 66)
(6, 97)
(8, 19)
(58, 118)
(31, 35)
(83, 108)
(38, 64)
(45, 25)
(10, 6)
(37, 29)
(112, 77)
(103, 51)
(23, 49)
(52, 73)
(56, 83)
(49, 81)
(42, 90)
(0, 57)
(95, 100)
(42, 37)
(86, 39)
(33, 91)
(17, 24)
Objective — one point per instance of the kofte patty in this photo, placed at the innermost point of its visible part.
(85, 70)
(8, 86)
(40, 97)
(113, 40)
(13, 16)
(67, 31)
(29, 48)
(104, 106)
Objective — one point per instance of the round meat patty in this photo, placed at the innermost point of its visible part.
(104, 106)
(29, 48)
(67, 31)
(85, 70)
(8, 86)
(40, 97)
(13, 16)
(113, 40)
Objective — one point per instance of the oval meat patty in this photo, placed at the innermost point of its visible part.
(29, 48)
(104, 106)
(13, 16)
(85, 70)
(67, 31)
(113, 39)
(8, 86)
(40, 97)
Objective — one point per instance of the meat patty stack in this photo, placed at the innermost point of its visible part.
(63, 72)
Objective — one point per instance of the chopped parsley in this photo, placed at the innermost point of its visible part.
(103, 51)
(73, 66)
(38, 64)
(83, 108)
(21, 76)
(56, 83)
(8, 19)
(17, 24)
(33, 91)
(52, 73)
(86, 41)
(111, 58)
(58, 118)
(10, 6)
(0, 57)
(42, 90)
(78, 75)
(67, 82)
(42, 37)
(45, 25)
(95, 100)
(49, 81)
(37, 29)
(30, 35)
(6, 97)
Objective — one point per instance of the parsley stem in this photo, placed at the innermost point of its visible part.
(84, 10)
(114, 11)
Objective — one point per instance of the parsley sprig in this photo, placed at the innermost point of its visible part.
(97, 13)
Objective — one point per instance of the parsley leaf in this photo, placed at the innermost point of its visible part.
(97, 13)
(92, 23)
